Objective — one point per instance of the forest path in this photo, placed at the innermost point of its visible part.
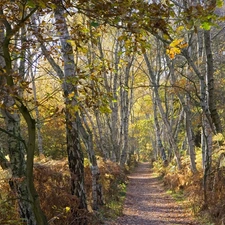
(147, 203)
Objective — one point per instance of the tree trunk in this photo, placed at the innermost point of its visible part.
(125, 112)
(163, 115)
(116, 136)
(190, 137)
(21, 182)
(160, 149)
(210, 82)
(101, 140)
(97, 194)
(189, 130)
(38, 122)
(74, 151)
(206, 156)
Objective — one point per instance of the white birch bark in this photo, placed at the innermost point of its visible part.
(21, 166)
(162, 112)
(159, 145)
(189, 131)
(75, 154)
(97, 191)
(112, 84)
(38, 122)
(125, 112)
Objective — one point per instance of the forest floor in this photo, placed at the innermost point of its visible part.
(147, 202)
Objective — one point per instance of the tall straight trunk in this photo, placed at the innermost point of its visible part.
(74, 151)
(131, 146)
(97, 132)
(97, 191)
(38, 122)
(179, 121)
(101, 140)
(105, 149)
(21, 166)
(210, 82)
(203, 88)
(116, 136)
(159, 145)
(206, 156)
(111, 84)
(190, 136)
(125, 111)
(162, 112)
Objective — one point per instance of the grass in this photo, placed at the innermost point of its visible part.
(114, 206)
(178, 196)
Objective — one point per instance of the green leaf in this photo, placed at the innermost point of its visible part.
(31, 4)
(105, 109)
(206, 25)
(219, 3)
(53, 6)
(94, 24)
(42, 4)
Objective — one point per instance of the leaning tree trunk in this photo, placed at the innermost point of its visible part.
(21, 182)
(187, 110)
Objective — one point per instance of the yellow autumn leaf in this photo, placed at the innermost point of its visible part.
(71, 95)
(176, 50)
(75, 108)
(67, 209)
(218, 137)
(71, 42)
(176, 42)
(183, 45)
(175, 47)
(179, 29)
(172, 52)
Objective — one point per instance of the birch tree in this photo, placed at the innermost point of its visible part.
(21, 153)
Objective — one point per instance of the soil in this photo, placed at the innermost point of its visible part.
(147, 202)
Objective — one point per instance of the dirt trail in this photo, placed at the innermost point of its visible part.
(148, 204)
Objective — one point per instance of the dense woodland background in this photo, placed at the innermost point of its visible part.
(90, 87)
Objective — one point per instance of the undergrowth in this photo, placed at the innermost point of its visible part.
(188, 187)
(115, 188)
(52, 181)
